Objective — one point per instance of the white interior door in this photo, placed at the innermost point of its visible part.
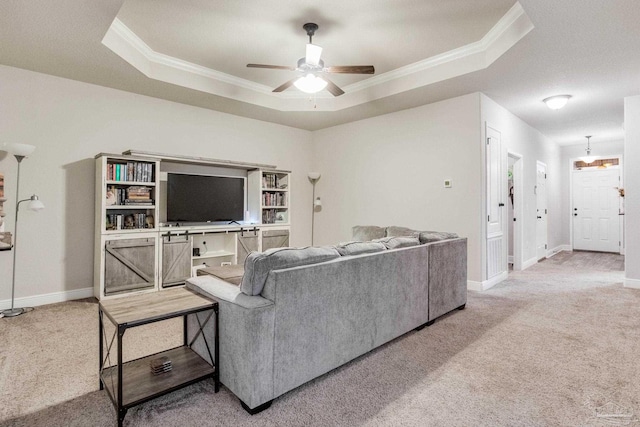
(596, 223)
(541, 210)
(496, 183)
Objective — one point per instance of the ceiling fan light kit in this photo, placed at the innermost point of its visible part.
(557, 102)
(311, 66)
(310, 83)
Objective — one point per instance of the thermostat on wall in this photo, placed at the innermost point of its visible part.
(447, 183)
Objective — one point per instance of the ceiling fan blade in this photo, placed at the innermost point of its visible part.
(313, 54)
(273, 67)
(351, 69)
(332, 87)
(285, 86)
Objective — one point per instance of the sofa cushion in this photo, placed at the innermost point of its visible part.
(434, 236)
(399, 242)
(258, 264)
(393, 231)
(364, 233)
(357, 248)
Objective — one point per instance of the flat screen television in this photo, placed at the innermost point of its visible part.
(204, 198)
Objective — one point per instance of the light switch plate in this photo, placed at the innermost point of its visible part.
(447, 183)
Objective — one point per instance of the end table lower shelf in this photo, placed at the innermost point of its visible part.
(139, 384)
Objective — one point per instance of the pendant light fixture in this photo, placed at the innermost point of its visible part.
(588, 159)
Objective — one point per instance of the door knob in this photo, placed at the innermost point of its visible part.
(575, 209)
(539, 217)
(500, 204)
(575, 214)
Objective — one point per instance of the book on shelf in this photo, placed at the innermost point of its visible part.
(130, 172)
(138, 202)
(129, 221)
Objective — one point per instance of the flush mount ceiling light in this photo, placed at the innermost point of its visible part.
(557, 102)
(588, 159)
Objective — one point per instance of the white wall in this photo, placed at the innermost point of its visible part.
(569, 152)
(520, 138)
(632, 191)
(389, 170)
(70, 122)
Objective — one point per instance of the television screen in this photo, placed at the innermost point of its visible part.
(204, 198)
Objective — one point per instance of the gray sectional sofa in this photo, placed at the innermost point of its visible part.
(299, 313)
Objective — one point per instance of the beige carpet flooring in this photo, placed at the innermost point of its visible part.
(555, 345)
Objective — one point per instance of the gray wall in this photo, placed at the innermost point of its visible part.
(520, 138)
(70, 122)
(632, 191)
(389, 170)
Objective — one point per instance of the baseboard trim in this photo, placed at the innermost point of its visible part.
(632, 283)
(528, 263)
(486, 284)
(36, 300)
(559, 249)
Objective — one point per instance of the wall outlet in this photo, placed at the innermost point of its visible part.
(447, 183)
(223, 263)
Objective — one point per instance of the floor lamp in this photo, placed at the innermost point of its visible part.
(20, 152)
(314, 177)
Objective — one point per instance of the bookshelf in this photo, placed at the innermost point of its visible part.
(273, 192)
(126, 229)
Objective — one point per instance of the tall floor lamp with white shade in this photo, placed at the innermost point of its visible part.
(20, 152)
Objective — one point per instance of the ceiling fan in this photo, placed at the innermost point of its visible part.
(313, 71)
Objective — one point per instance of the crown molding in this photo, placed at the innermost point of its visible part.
(510, 29)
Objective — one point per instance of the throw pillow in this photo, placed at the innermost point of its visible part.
(434, 236)
(399, 242)
(393, 231)
(365, 233)
(357, 248)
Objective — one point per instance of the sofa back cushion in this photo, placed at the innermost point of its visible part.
(393, 231)
(399, 242)
(258, 264)
(435, 236)
(357, 248)
(365, 233)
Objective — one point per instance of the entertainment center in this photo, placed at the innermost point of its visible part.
(160, 218)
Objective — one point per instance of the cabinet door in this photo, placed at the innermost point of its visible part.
(275, 239)
(176, 260)
(129, 265)
(248, 241)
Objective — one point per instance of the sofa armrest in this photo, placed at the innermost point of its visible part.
(213, 287)
(447, 276)
(246, 339)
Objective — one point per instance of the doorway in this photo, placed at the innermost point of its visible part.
(541, 210)
(595, 210)
(514, 210)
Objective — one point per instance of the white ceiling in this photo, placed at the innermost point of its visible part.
(587, 48)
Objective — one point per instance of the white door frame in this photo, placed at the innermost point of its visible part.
(518, 209)
(546, 218)
(620, 158)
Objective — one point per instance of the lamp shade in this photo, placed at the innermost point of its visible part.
(19, 149)
(35, 205)
(314, 176)
(310, 83)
